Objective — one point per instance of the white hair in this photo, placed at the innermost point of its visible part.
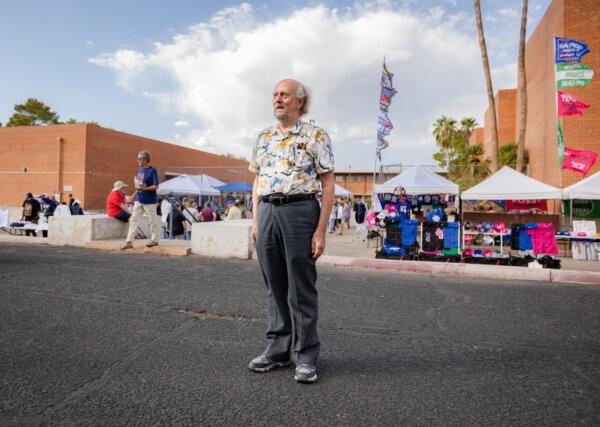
(302, 93)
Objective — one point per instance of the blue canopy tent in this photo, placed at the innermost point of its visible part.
(236, 187)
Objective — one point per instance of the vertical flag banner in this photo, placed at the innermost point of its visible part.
(385, 99)
(569, 50)
(579, 160)
(568, 105)
(573, 75)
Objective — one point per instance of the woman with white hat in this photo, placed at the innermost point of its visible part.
(116, 207)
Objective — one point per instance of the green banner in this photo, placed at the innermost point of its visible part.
(561, 144)
(573, 75)
(583, 208)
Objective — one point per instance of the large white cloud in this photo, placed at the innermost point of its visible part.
(219, 75)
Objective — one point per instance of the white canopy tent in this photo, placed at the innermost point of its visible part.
(417, 181)
(588, 188)
(186, 184)
(342, 192)
(207, 179)
(508, 184)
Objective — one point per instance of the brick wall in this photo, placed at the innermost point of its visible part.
(36, 149)
(92, 159)
(505, 113)
(582, 22)
(111, 156)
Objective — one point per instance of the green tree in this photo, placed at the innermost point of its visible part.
(444, 131)
(32, 113)
(507, 155)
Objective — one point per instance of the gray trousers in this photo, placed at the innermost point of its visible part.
(283, 246)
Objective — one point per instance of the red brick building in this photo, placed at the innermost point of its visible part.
(576, 19)
(86, 160)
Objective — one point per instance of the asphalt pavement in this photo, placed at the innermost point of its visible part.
(101, 338)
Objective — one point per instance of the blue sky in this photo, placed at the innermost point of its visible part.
(199, 73)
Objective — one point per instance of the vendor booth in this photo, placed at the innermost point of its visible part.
(236, 187)
(530, 233)
(582, 201)
(187, 185)
(416, 209)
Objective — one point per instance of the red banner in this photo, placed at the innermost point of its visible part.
(568, 105)
(579, 160)
(525, 205)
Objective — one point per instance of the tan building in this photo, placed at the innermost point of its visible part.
(576, 19)
(86, 160)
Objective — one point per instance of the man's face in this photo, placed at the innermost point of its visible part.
(285, 105)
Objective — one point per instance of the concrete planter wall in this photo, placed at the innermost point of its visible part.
(223, 239)
(77, 230)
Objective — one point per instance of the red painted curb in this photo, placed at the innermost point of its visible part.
(466, 270)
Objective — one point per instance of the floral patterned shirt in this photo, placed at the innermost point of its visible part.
(291, 164)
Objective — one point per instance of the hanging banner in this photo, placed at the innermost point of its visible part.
(569, 50)
(579, 160)
(568, 105)
(573, 75)
(525, 205)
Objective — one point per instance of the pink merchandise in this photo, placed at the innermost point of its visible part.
(391, 208)
(543, 240)
(371, 219)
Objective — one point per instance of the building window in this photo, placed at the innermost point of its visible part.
(358, 178)
(339, 178)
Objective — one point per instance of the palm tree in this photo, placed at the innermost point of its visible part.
(445, 131)
(522, 88)
(490, 89)
(467, 127)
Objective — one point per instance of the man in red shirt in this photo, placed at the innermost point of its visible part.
(116, 207)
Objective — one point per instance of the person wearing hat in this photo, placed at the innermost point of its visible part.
(116, 207)
(76, 208)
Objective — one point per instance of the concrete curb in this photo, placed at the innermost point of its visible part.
(139, 248)
(466, 270)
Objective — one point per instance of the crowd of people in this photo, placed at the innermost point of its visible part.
(339, 219)
(37, 210)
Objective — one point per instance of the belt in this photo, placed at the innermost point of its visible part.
(282, 199)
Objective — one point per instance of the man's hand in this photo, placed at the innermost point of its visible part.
(253, 233)
(318, 244)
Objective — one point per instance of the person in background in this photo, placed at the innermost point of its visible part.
(76, 208)
(347, 215)
(339, 216)
(207, 214)
(218, 215)
(31, 209)
(116, 205)
(333, 217)
(71, 200)
(178, 223)
(165, 208)
(190, 214)
(49, 205)
(234, 211)
(146, 182)
(360, 210)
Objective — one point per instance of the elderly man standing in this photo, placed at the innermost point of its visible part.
(146, 184)
(289, 160)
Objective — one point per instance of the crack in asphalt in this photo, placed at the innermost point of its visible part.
(116, 369)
